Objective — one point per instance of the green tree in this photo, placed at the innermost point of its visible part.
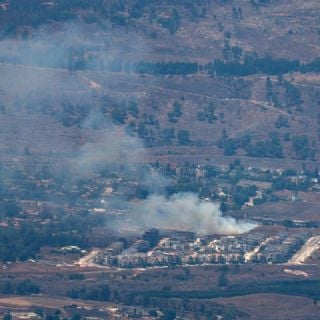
(168, 315)
(184, 137)
(11, 209)
(301, 147)
(7, 316)
(223, 280)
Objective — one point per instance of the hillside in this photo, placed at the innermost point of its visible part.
(159, 159)
(225, 78)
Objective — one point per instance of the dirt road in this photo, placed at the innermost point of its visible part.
(306, 251)
(88, 260)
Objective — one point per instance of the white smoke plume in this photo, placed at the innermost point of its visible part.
(36, 76)
(113, 146)
(185, 211)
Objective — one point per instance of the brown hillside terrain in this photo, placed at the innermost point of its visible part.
(43, 97)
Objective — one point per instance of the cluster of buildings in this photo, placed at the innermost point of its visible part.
(185, 249)
(279, 248)
(40, 184)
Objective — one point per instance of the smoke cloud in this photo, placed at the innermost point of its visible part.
(185, 211)
(113, 147)
(35, 70)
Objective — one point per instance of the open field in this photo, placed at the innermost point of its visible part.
(187, 280)
(300, 210)
(275, 306)
(44, 301)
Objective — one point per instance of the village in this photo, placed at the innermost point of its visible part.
(185, 248)
(37, 186)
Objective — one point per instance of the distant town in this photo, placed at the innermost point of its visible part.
(184, 248)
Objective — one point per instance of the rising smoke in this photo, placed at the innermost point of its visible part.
(185, 211)
(113, 146)
(182, 211)
(110, 144)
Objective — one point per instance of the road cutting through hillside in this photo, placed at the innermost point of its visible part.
(88, 260)
(306, 251)
(95, 85)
